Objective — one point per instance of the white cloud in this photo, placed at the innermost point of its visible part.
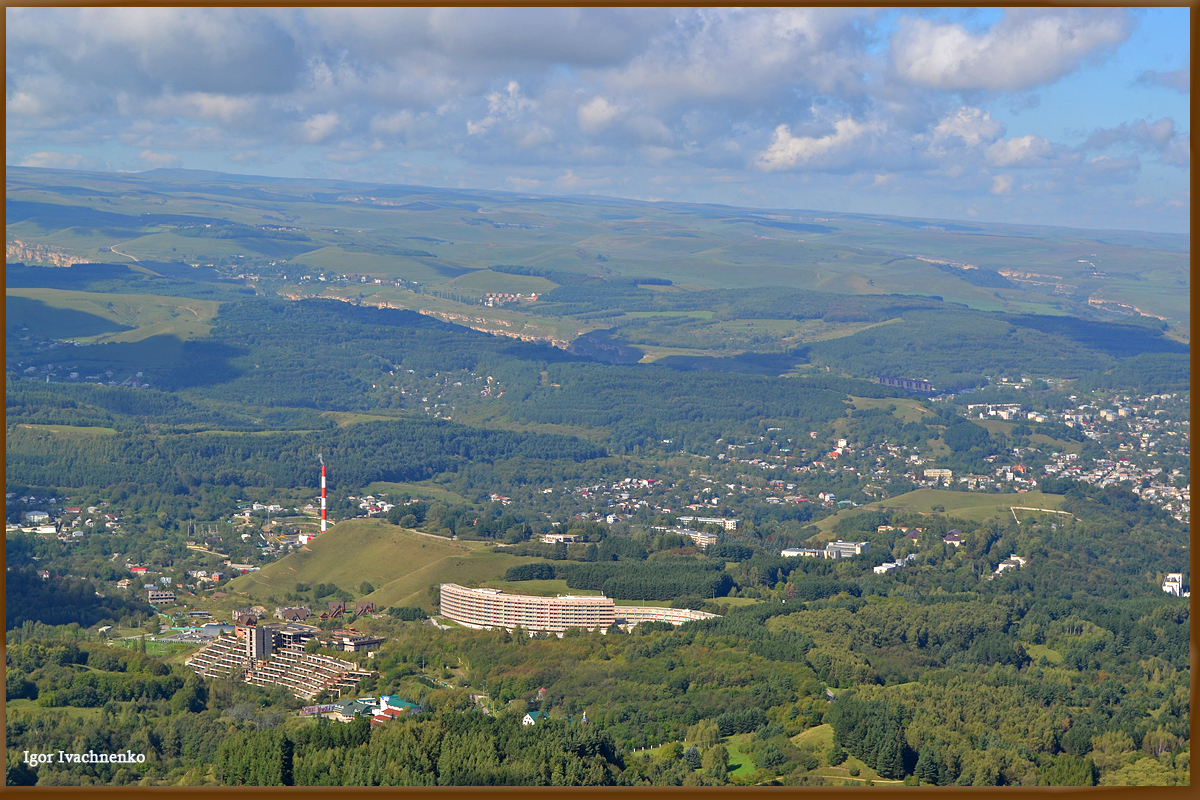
(971, 125)
(597, 115)
(1159, 136)
(1178, 79)
(1001, 184)
(1020, 151)
(524, 184)
(1156, 135)
(44, 158)
(569, 180)
(319, 127)
(196, 105)
(1027, 48)
(536, 136)
(481, 95)
(1179, 152)
(155, 160)
(787, 151)
(397, 123)
(507, 105)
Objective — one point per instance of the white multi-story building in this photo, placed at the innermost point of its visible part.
(847, 549)
(1173, 585)
(727, 523)
(491, 608)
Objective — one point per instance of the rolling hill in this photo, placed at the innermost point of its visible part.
(401, 564)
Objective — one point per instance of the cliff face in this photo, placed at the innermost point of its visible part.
(16, 250)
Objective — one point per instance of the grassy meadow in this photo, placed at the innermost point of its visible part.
(400, 564)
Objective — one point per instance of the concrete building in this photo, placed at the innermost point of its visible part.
(629, 616)
(1173, 585)
(911, 384)
(1014, 561)
(160, 598)
(847, 549)
(885, 568)
(492, 608)
(725, 522)
(802, 553)
(350, 641)
(560, 538)
(270, 655)
(701, 539)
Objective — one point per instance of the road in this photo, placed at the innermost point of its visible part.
(118, 252)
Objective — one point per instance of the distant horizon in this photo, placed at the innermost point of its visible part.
(182, 171)
(1071, 117)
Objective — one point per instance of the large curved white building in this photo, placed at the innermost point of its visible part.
(492, 608)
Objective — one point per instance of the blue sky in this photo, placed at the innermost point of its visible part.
(1062, 116)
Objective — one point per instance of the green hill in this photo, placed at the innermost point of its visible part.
(400, 563)
(974, 506)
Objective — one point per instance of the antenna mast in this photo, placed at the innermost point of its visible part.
(322, 491)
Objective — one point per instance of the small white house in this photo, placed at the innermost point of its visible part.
(886, 567)
(1173, 585)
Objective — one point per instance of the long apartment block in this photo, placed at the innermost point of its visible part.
(491, 608)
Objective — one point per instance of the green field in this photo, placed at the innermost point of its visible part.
(92, 317)
(340, 262)
(426, 490)
(31, 710)
(906, 410)
(1036, 651)
(344, 418)
(1001, 426)
(485, 280)
(72, 431)
(820, 740)
(400, 563)
(740, 764)
(973, 506)
(693, 247)
(651, 314)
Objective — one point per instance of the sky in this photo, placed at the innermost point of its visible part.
(1059, 116)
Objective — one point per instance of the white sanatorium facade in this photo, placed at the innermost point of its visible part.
(492, 608)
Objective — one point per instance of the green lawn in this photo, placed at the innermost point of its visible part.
(740, 764)
(818, 739)
(1036, 651)
(975, 506)
(696, 314)
(30, 709)
(146, 315)
(485, 280)
(906, 410)
(344, 418)
(400, 563)
(426, 490)
(72, 431)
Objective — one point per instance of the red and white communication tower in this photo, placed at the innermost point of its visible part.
(322, 491)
